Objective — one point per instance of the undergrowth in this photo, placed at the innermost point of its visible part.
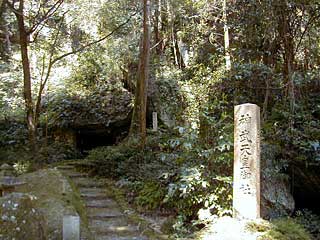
(283, 229)
(172, 175)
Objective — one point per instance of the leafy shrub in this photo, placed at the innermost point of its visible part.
(174, 173)
(109, 159)
(102, 105)
(150, 196)
(196, 189)
(15, 148)
(286, 229)
(309, 221)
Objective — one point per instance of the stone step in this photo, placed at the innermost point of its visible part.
(103, 213)
(92, 193)
(115, 226)
(65, 167)
(100, 203)
(106, 219)
(88, 183)
(76, 175)
(115, 237)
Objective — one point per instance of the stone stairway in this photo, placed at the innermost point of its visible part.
(106, 219)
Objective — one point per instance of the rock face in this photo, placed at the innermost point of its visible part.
(19, 219)
(276, 199)
(54, 198)
(101, 118)
(101, 107)
(166, 99)
(306, 187)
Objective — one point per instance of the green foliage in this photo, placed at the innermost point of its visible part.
(150, 196)
(309, 221)
(187, 170)
(12, 133)
(100, 106)
(196, 189)
(11, 102)
(109, 160)
(173, 173)
(250, 83)
(22, 167)
(169, 97)
(14, 147)
(286, 229)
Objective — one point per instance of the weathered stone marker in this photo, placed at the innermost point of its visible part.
(155, 121)
(64, 187)
(246, 186)
(71, 227)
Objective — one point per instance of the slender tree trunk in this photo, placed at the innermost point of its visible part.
(157, 26)
(226, 36)
(288, 67)
(138, 124)
(285, 32)
(173, 34)
(23, 42)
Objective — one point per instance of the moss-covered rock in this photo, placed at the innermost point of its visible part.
(20, 218)
(53, 197)
(276, 198)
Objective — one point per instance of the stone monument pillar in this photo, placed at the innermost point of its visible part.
(71, 227)
(155, 121)
(246, 185)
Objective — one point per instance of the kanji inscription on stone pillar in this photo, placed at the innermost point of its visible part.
(246, 183)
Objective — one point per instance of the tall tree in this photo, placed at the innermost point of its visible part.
(226, 36)
(30, 23)
(25, 31)
(24, 40)
(138, 124)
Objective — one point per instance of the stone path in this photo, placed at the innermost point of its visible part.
(106, 219)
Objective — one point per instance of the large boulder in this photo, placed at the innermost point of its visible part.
(37, 211)
(20, 219)
(276, 199)
(166, 98)
(306, 185)
(99, 118)
(102, 107)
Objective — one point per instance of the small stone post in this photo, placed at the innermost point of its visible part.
(155, 121)
(64, 187)
(246, 186)
(71, 227)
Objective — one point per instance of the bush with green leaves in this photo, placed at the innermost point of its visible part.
(173, 173)
(151, 195)
(279, 229)
(108, 160)
(15, 147)
(102, 106)
(310, 221)
(286, 229)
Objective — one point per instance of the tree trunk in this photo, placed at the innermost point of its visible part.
(138, 124)
(23, 42)
(226, 37)
(157, 27)
(288, 57)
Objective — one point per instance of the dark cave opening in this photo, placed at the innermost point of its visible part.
(306, 187)
(92, 137)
